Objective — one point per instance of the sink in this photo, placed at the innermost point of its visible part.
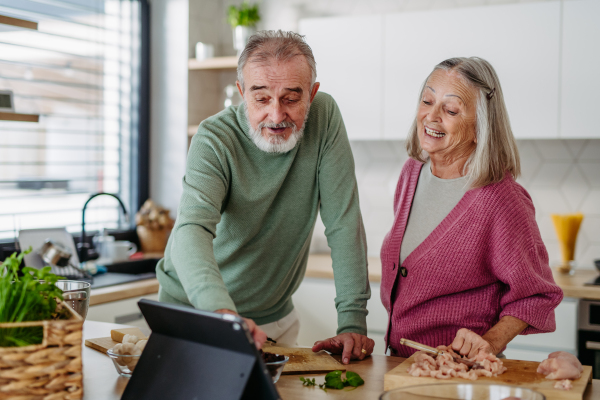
(125, 272)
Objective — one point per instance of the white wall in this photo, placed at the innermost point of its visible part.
(168, 99)
(560, 175)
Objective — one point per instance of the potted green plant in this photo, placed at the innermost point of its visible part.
(243, 20)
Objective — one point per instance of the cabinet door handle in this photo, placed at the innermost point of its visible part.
(592, 345)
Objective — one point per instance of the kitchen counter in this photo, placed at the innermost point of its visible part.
(101, 381)
(319, 266)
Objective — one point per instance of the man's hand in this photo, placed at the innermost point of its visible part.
(351, 346)
(468, 343)
(259, 336)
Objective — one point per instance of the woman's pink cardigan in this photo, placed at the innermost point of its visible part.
(485, 260)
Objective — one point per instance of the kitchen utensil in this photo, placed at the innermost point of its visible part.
(303, 360)
(519, 373)
(76, 294)
(58, 257)
(276, 368)
(124, 363)
(55, 253)
(461, 391)
(104, 344)
(434, 351)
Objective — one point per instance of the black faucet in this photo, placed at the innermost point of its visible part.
(83, 245)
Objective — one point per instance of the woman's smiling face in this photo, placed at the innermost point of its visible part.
(447, 117)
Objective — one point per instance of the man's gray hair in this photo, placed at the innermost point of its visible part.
(496, 151)
(279, 45)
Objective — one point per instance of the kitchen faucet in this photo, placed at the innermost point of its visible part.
(83, 246)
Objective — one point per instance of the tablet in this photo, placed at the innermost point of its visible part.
(197, 355)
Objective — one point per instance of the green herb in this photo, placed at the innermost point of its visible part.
(30, 297)
(333, 380)
(244, 15)
(308, 382)
(353, 379)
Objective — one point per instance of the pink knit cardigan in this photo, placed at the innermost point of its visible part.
(485, 260)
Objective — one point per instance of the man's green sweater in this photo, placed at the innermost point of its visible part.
(246, 218)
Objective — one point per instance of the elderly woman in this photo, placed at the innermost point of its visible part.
(464, 263)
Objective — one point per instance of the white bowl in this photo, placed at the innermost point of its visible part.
(461, 391)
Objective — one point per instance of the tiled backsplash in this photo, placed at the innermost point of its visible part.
(560, 175)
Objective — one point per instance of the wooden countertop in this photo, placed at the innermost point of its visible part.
(123, 291)
(319, 266)
(101, 381)
(573, 286)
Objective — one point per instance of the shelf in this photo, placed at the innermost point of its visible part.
(21, 23)
(213, 63)
(9, 116)
(192, 129)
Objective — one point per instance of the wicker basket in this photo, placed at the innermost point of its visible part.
(51, 370)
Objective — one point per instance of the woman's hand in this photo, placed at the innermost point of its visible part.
(469, 344)
(351, 346)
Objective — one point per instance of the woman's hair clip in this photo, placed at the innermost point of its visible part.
(491, 94)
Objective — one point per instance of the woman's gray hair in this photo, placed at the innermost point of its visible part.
(279, 45)
(496, 150)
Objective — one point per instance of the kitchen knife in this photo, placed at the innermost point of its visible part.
(434, 351)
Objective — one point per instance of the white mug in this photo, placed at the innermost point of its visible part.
(120, 250)
(204, 51)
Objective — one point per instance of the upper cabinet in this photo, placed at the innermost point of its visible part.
(521, 41)
(580, 99)
(545, 53)
(349, 56)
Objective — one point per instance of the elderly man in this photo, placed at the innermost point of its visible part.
(256, 177)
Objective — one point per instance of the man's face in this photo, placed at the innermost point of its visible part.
(277, 96)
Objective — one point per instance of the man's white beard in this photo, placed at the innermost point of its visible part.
(275, 143)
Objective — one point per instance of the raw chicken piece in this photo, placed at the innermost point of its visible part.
(444, 366)
(565, 384)
(567, 356)
(560, 365)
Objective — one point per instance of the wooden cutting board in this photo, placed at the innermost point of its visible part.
(302, 360)
(105, 343)
(519, 373)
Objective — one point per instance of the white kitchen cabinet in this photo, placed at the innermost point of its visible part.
(348, 52)
(124, 312)
(537, 347)
(521, 41)
(580, 60)
(315, 302)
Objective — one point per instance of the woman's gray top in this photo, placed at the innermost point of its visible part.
(434, 199)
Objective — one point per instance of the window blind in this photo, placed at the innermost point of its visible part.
(80, 71)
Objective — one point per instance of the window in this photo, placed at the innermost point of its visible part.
(82, 72)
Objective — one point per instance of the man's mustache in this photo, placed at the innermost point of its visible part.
(283, 124)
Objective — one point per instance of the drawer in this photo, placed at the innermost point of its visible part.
(565, 336)
(377, 319)
(124, 312)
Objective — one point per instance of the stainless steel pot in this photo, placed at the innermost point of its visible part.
(76, 294)
(55, 254)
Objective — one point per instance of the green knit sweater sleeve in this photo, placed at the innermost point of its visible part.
(344, 228)
(204, 191)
